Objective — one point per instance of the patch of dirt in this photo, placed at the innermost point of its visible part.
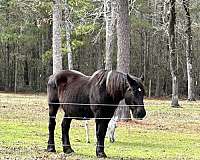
(133, 123)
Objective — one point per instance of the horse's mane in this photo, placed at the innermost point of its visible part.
(114, 81)
(98, 77)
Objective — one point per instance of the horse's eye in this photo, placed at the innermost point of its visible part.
(129, 89)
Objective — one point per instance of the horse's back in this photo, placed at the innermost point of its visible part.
(59, 81)
(72, 90)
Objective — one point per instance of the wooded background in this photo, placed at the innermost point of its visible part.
(26, 43)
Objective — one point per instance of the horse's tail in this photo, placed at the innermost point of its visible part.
(52, 90)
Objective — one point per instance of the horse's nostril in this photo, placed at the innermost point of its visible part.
(138, 112)
(141, 114)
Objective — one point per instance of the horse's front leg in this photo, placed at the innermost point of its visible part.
(53, 109)
(65, 135)
(101, 128)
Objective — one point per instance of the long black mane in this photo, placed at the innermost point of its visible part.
(114, 82)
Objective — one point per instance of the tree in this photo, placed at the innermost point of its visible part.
(67, 35)
(189, 52)
(172, 53)
(123, 36)
(57, 58)
(110, 18)
(123, 46)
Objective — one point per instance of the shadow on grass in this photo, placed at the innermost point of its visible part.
(76, 156)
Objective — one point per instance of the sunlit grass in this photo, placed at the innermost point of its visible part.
(165, 133)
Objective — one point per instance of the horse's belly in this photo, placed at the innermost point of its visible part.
(78, 111)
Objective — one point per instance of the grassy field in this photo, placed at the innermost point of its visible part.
(165, 133)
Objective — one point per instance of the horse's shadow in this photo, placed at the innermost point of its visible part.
(82, 156)
(86, 157)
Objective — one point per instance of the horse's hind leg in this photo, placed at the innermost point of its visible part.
(65, 135)
(53, 109)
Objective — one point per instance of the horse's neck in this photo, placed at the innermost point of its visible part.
(116, 85)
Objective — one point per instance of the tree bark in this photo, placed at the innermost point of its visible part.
(68, 38)
(110, 18)
(57, 57)
(123, 37)
(149, 93)
(172, 55)
(189, 53)
(157, 92)
(7, 80)
(99, 54)
(123, 43)
(16, 73)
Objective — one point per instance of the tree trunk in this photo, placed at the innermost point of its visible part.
(158, 66)
(172, 56)
(7, 80)
(57, 57)
(189, 53)
(49, 42)
(99, 54)
(149, 95)
(157, 92)
(7, 51)
(68, 38)
(123, 43)
(16, 73)
(123, 37)
(146, 43)
(110, 18)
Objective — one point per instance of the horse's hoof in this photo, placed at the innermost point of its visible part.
(101, 155)
(68, 150)
(51, 149)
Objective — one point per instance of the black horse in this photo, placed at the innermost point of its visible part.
(67, 88)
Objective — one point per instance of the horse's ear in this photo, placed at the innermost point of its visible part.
(142, 77)
(133, 83)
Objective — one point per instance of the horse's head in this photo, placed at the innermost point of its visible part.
(134, 96)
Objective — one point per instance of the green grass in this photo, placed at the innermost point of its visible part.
(165, 133)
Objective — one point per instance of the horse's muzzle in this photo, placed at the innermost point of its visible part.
(139, 112)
